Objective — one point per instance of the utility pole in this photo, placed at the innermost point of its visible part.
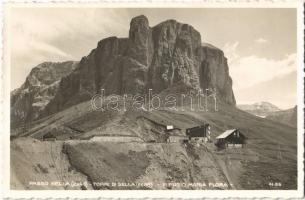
(206, 98)
(215, 101)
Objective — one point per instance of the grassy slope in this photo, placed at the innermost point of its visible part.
(269, 156)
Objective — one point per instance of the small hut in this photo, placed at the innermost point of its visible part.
(174, 134)
(230, 139)
(199, 133)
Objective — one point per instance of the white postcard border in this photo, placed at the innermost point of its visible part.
(4, 135)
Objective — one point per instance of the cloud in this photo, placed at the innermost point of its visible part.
(281, 91)
(247, 71)
(261, 41)
(50, 49)
(230, 51)
(38, 35)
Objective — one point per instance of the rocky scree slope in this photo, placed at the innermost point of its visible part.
(252, 167)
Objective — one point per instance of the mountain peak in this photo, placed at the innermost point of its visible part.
(261, 109)
(138, 24)
(38, 89)
(267, 105)
(204, 44)
(167, 55)
(139, 18)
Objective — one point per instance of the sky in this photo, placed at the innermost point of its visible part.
(260, 43)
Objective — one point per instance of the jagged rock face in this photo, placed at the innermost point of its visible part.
(140, 41)
(175, 60)
(158, 58)
(214, 73)
(40, 87)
